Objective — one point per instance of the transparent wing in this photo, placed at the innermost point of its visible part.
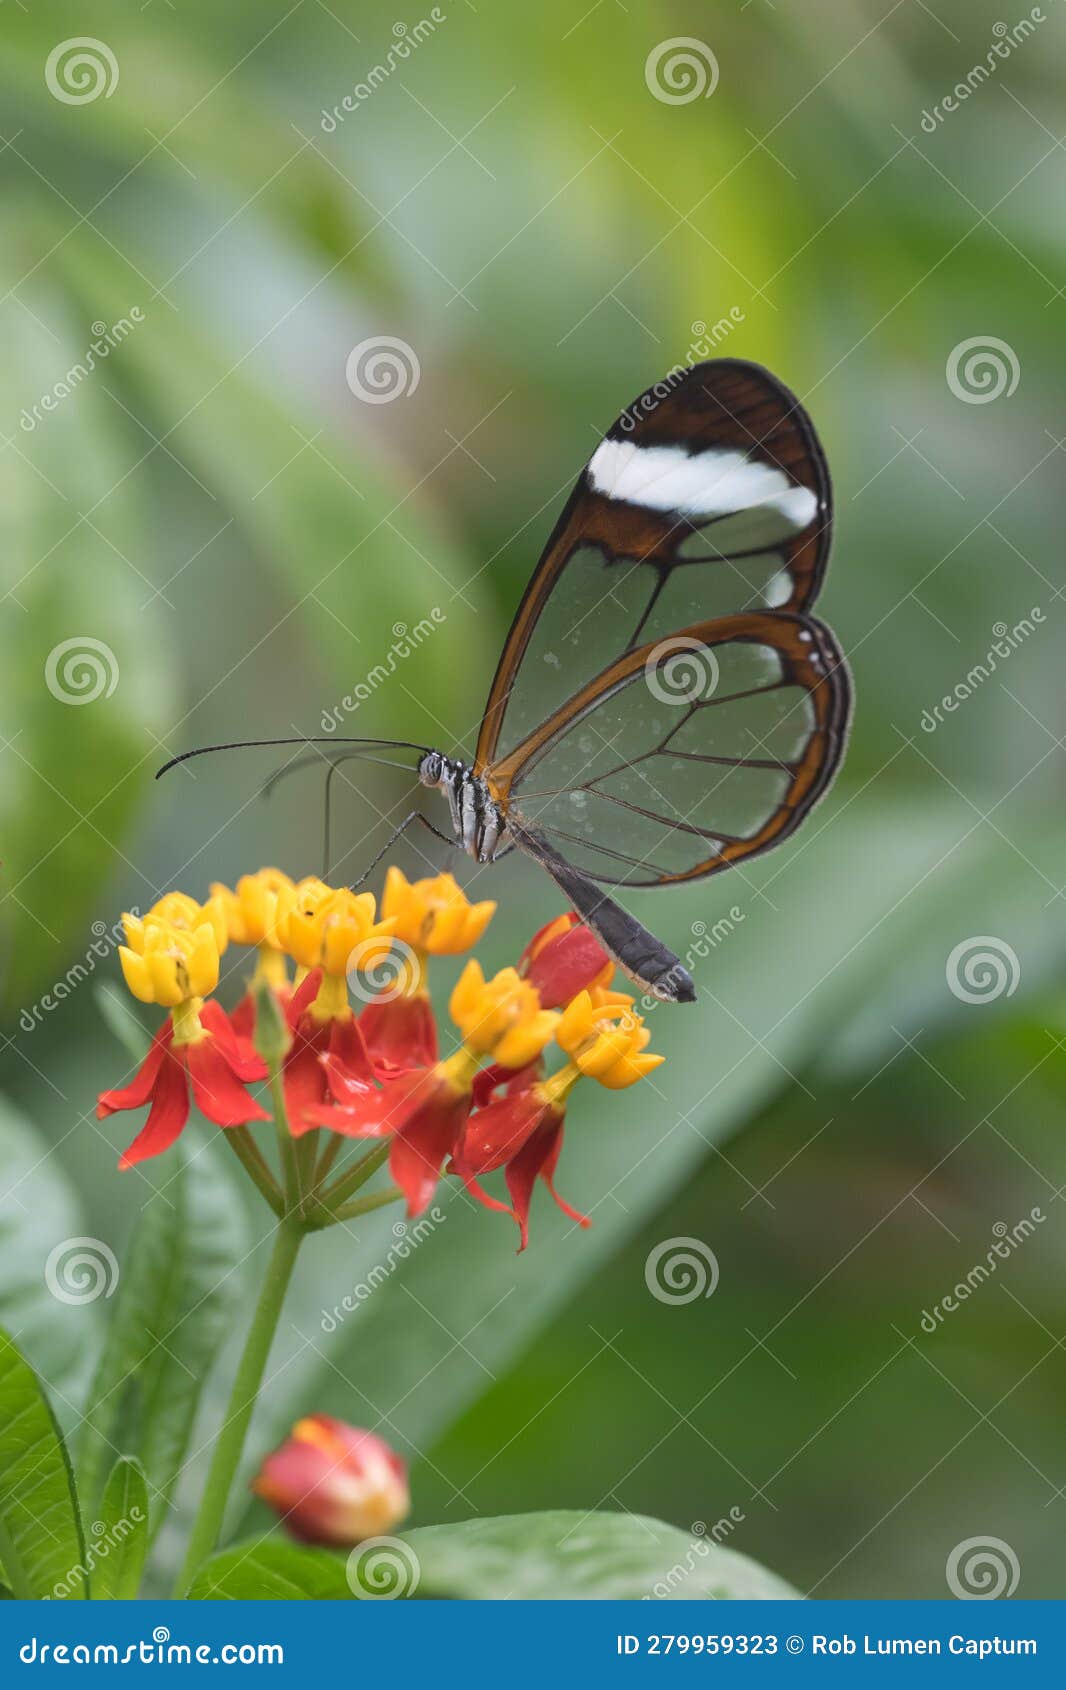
(708, 496)
(689, 754)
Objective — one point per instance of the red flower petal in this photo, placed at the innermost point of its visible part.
(401, 1032)
(343, 1087)
(547, 1174)
(495, 1134)
(497, 1078)
(238, 1052)
(242, 1019)
(476, 1189)
(139, 1090)
(168, 1114)
(566, 965)
(424, 1143)
(538, 1156)
(302, 1075)
(347, 1048)
(303, 997)
(216, 1087)
(371, 1111)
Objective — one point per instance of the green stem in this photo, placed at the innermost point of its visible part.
(327, 1158)
(250, 1370)
(352, 1178)
(290, 1165)
(306, 1157)
(251, 1158)
(363, 1205)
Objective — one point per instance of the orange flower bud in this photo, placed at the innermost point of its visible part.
(251, 910)
(501, 1017)
(606, 1042)
(332, 930)
(434, 915)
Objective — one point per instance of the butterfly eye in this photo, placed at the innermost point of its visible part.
(431, 769)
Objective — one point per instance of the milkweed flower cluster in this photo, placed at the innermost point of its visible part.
(358, 1048)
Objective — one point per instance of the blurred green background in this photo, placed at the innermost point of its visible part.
(248, 539)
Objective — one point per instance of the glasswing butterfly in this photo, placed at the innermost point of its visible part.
(665, 706)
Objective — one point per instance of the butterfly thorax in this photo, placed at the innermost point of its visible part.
(478, 822)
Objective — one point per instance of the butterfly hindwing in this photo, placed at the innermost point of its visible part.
(685, 757)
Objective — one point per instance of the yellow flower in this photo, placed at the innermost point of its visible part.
(251, 911)
(331, 930)
(178, 910)
(605, 1042)
(434, 915)
(172, 964)
(501, 1018)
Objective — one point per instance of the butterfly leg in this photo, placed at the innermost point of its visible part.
(397, 832)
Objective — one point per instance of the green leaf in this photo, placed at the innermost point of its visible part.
(526, 1557)
(53, 1312)
(273, 1569)
(178, 1290)
(41, 1544)
(118, 1541)
(569, 1554)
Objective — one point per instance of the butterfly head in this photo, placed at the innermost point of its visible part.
(434, 769)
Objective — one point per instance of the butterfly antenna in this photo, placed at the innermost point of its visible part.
(297, 739)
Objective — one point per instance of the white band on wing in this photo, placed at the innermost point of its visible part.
(713, 483)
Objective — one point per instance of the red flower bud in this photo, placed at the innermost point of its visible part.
(333, 1483)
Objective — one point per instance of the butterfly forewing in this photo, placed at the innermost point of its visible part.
(708, 496)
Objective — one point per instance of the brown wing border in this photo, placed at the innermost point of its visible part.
(642, 422)
(811, 659)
